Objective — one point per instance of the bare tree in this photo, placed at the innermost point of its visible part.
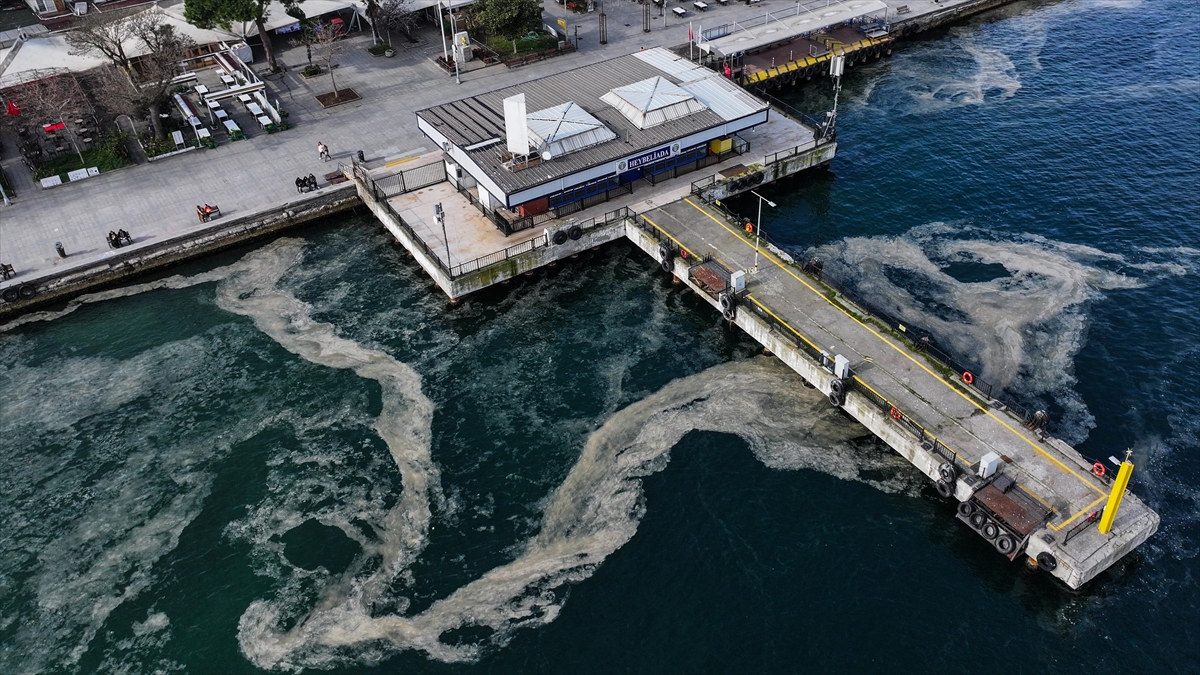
(327, 45)
(146, 53)
(55, 96)
(105, 34)
(389, 15)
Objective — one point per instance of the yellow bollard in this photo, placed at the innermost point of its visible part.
(1114, 497)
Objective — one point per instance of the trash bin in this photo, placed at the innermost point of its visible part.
(62, 253)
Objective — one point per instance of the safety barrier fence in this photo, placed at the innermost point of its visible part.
(540, 241)
(406, 181)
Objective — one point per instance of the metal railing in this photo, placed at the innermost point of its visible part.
(540, 241)
(407, 180)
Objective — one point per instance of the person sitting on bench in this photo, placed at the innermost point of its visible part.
(124, 238)
(300, 184)
(113, 242)
(312, 182)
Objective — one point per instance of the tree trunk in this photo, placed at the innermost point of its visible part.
(155, 120)
(334, 81)
(308, 51)
(266, 41)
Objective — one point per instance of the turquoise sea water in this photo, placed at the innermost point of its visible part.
(298, 457)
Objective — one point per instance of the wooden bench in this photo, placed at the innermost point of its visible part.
(902, 9)
(7, 271)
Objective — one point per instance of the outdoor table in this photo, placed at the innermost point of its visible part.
(221, 114)
(244, 98)
(703, 7)
(254, 109)
(213, 105)
(194, 121)
(678, 11)
(227, 79)
(263, 121)
(201, 89)
(231, 126)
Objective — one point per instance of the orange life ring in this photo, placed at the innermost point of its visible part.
(683, 253)
(749, 228)
(968, 377)
(896, 414)
(1098, 469)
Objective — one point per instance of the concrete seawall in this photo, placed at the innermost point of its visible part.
(223, 233)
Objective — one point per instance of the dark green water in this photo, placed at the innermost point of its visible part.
(299, 457)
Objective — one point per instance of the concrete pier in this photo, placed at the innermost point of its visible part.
(1039, 504)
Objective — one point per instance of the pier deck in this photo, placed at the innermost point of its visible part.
(1054, 489)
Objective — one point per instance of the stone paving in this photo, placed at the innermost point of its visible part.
(157, 200)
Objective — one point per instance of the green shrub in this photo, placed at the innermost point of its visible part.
(378, 49)
(107, 153)
(311, 70)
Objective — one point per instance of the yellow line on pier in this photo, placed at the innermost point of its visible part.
(778, 263)
(668, 236)
(402, 160)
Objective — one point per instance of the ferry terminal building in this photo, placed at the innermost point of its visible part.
(592, 130)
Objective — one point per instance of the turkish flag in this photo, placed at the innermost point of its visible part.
(12, 108)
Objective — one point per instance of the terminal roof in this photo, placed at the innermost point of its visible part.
(477, 121)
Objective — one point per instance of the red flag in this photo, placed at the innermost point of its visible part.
(690, 38)
(12, 108)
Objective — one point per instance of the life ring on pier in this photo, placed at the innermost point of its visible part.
(749, 227)
(896, 414)
(683, 253)
(968, 377)
(1099, 470)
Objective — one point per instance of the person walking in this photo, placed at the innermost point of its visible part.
(323, 151)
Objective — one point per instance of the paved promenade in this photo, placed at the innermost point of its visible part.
(156, 201)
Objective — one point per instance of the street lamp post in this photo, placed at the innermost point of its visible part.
(758, 237)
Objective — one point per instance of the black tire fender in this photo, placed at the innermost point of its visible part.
(1047, 562)
(947, 472)
(10, 294)
(559, 238)
(990, 530)
(835, 399)
(26, 291)
(965, 509)
(575, 232)
(945, 489)
(838, 386)
(1005, 544)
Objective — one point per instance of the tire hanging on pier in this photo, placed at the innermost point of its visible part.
(728, 306)
(667, 256)
(839, 386)
(559, 238)
(965, 509)
(977, 520)
(947, 472)
(989, 530)
(945, 489)
(26, 291)
(1046, 562)
(10, 294)
(575, 232)
(835, 399)
(1005, 544)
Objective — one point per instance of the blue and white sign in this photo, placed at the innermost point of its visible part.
(649, 157)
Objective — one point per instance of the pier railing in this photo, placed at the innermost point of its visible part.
(405, 180)
(540, 241)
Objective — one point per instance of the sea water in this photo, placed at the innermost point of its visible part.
(298, 456)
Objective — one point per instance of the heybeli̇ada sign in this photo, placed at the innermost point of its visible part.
(649, 157)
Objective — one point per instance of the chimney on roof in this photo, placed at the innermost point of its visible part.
(515, 126)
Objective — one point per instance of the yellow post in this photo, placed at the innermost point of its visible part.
(1118, 491)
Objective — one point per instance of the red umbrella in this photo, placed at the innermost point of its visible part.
(12, 108)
